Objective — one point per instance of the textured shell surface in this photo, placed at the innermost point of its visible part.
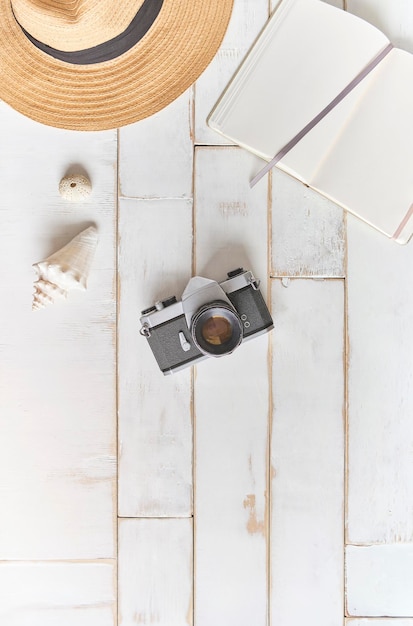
(46, 293)
(66, 269)
(75, 187)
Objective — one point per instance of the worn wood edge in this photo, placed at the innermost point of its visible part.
(341, 282)
(186, 207)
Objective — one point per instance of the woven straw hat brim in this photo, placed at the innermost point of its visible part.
(163, 64)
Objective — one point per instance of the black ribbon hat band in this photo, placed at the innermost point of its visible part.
(113, 48)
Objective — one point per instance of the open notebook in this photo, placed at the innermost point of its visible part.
(360, 155)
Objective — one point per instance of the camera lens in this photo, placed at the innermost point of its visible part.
(216, 329)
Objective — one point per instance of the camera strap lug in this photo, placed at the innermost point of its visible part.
(145, 331)
(255, 284)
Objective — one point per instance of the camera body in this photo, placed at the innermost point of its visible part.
(211, 320)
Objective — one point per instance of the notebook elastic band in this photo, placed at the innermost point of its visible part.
(369, 67)
(403, 223)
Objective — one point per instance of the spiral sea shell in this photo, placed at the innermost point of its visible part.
(66, 269)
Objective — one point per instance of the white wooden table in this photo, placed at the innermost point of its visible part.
(274, 486)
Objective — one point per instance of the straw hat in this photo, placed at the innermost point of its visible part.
(98, 64)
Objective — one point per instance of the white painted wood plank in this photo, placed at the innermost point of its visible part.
(367, 621)
(379, 580)
(57, 366)
(231, 407)
(155, 572)
(394, 19)
(380, 431)
(380, 388)
(231, 219)
(246, 22)
(155, 154)
(68, 594)
(307, 453)
(308, 232)
(231, 510)
(155, 462)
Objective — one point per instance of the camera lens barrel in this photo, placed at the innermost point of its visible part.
(216, 329)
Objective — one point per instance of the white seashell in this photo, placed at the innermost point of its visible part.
(66, 269)
(75, 187)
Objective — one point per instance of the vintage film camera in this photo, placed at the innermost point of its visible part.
(212, 319)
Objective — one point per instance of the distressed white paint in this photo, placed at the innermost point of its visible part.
(230, 218)
(231, 508)
(379, 580)
(57, 365)
(155, 572)
(67, 594)
(366, 621)
(380, 490)
(57, 399)
(155, 438)
(308, 237)
(231, 408)
(380, 305)
(394, 19)
(248, 18)
(307, 453)
(155, 154)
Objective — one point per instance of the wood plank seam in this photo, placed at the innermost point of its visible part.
(117, 290)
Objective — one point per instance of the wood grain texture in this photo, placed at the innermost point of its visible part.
(231, 407)
(155, 434)
(247, 20)
(231, 508)
(230, 218)
(308, 232)
(380, 301)
(68, 594)
(379, 580)
(269, 427)
(307, 453)
(57, 365)
(155, 572)
(380, 389)
(155, 154)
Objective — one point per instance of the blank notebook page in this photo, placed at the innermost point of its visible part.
(307, 53)
(370, 167)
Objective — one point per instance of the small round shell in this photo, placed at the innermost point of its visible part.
(75, 187)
